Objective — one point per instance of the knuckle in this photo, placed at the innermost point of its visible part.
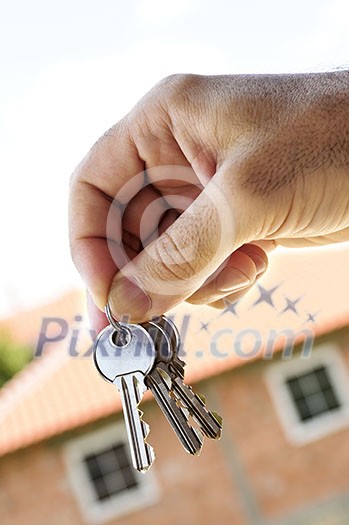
(179, 89)
(172, 259)
(178, 81)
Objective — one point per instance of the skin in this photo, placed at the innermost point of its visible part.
(185, 196)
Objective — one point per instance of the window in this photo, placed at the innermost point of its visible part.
(103, 478)
(311, 395)
(110, 471)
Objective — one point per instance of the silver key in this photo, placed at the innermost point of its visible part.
(159, 382)
(125, 361)
(170, 353)
(209, 422)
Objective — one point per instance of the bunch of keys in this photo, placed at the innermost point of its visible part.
(138, 357)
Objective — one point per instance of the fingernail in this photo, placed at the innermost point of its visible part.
(129, 301)
(260, 263)
(231, 280)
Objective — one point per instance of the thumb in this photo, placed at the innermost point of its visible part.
(179, 261)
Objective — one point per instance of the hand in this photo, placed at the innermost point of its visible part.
(176, 201)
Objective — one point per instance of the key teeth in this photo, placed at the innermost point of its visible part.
(218, 418)
(202, 398)
(213, 414)
(149, 448)
(145, 425)
(145, 428)
(139, 391)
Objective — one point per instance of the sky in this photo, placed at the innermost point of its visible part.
(71, 69)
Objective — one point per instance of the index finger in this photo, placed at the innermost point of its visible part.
(110, 163)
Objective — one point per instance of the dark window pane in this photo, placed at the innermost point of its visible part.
(309, 384)
(93, 467)
(115, 482)
(303, 409)
(294, 385)
(317, 403)
(331, 399)
(110, 471)
(322, 377)
(100, 489)
(107, 461)
(129, 477)
(121, 454)
(312, 393)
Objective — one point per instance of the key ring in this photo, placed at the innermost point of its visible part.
(112, 321)
(123, 332)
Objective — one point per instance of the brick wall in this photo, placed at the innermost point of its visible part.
(283, 477)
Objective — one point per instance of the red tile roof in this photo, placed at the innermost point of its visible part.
(57, 393)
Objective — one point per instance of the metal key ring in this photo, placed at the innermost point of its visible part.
(115, 323)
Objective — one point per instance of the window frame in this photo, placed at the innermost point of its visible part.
(98, 511)
(300, 432)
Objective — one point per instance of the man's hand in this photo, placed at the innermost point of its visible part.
(177, 200)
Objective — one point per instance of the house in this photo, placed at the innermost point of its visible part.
(275, 366)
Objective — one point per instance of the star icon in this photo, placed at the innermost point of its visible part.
(265, 296)
(204, 326)
(230, 308)
(311, 317)
(291, 305)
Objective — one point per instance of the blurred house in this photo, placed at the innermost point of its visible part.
(276, 367)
